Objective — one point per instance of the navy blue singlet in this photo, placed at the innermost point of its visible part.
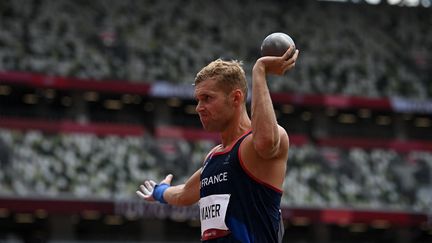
(253, 212)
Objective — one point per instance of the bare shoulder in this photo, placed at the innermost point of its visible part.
(249, 152)
(283, 143)
(271, 171)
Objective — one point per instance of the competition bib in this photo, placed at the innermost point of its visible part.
(213, 210)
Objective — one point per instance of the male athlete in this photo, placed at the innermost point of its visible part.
(239, 186)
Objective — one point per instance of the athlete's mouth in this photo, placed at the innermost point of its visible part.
(203, 116)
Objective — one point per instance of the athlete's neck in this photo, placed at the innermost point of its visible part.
(235, 130)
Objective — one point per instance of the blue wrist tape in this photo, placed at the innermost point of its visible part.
(159, 191)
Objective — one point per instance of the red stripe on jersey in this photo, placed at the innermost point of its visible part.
(214, 233)
(254, 177)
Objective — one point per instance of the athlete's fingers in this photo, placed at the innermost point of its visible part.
(153, 183)
(294, 57)
(145, 197)
(167, 179)
(149, 186)
(146, 191)
(290, 63)
(288, 53)
(141, 195)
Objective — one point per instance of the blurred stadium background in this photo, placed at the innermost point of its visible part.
(96, 96)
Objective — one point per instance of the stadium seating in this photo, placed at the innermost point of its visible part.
(58, 159)
(87, 166)
(356, 50)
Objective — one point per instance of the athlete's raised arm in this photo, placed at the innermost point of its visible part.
(267, 134)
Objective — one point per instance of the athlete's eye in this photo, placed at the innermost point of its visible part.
(204, 98)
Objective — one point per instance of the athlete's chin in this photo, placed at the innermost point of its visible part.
(208, 127)
(204, 123)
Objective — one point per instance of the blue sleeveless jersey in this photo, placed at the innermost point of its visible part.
(253, 213)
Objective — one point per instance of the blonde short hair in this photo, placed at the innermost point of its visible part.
(229, 75)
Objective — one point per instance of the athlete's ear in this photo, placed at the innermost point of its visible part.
(237, 97)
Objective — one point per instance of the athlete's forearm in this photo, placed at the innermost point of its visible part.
(174, 195)
(264, 123)
(184, 194)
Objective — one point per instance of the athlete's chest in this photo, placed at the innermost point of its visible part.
(218, 172)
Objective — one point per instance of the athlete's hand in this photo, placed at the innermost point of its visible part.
(146, 190)
(278, 65)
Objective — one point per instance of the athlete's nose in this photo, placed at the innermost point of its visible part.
(199, 107)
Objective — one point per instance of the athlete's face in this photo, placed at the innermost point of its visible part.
(214, 108)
